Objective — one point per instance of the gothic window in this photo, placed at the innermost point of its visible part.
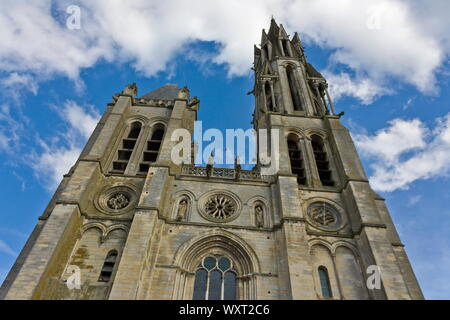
(108, 266)
(215, 279)
(293, 89)
(325, 282)
(126, 148)
(268, 94)
(285, 44)
(322, 163)
(152, 150)
(266, 51)
(295, 156)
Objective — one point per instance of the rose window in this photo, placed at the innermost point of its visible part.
(220, 207)
(118, 201)
(324, 215)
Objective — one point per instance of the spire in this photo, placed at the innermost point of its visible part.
(297, 44)
(264, 37)
(274, 29)
(282, 33)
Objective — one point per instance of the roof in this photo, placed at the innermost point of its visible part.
(166, 92)
(312, 72)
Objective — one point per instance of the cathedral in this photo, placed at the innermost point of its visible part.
(126, 222)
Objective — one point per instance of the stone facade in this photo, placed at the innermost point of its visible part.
(138, 226)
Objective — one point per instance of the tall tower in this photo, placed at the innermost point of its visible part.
(128, 223)
(324, 196)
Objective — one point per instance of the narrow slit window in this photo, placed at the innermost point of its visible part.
(296, 159)
(325, 282)
(268, 94)
(285, 45)
(295, 95)
(108, 267)
(266, 51)
(322, 163)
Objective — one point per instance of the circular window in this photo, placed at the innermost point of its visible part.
(116, 200)
(324, 216)
(219, 207)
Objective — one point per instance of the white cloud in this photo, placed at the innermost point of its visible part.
(414, 200)
(376, 39)
(406, 151)
(363, 89)
(58, 156)
(17, 81)
(5, 248)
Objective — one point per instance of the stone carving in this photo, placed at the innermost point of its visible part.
(259, 216)
(324, 215)
(118, 201)
(220, 207)
(182, 209)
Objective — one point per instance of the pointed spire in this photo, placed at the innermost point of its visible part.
(257, 51)
(264, 37)
(282, 33)
(274, 29)
(297, 44)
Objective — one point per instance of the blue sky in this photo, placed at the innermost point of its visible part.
(387, 68)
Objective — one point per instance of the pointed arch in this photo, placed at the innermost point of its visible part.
(293, 87)
(126, 148)
(322, 161)
(296, 158)
(221, 243)
(151, 153)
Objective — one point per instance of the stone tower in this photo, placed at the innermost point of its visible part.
(131, 224)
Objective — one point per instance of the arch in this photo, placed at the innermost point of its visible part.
(321, 160)
(139, 118)
(321, 255)
(94, 225)
(268, 96)
(189, 253)
(293, 87)
(217, 242)
(350, 274)
(114, 227)
(176, 214)
(319, 242)
(296, 131)
(135, 130)
(325, 282)
(316, 131)
(128, 144)
(296, 158)
(153, 147)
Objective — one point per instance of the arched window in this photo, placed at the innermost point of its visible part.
(296, 158)
(268, 94)
(152, 151)
(325, 282)
(108, 266)
(295, 95)
(322, 163)
(215, 279)
(266, 51)
(127, 147)
(285, 44)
